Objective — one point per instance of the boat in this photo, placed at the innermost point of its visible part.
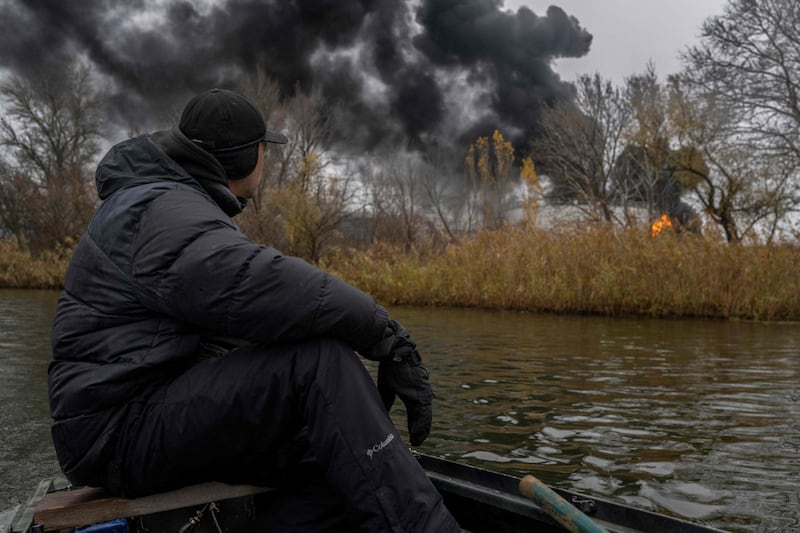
(487, 501)
(481, 501)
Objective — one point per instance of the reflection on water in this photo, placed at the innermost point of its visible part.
(699, 419)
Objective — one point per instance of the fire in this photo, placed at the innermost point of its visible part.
(658, 226)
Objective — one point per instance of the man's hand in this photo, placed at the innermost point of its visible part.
(401, 373)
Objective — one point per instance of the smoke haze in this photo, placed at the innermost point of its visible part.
(402, 72)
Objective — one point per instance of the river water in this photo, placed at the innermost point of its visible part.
(694, 418)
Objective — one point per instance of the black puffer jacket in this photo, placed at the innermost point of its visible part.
(161, 266)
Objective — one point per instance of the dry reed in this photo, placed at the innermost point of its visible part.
(19, 269)
(596, 270)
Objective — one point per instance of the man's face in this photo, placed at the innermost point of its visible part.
(248, 186)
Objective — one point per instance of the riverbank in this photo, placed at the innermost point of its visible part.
(587, 271)
(20, 269)
(610, 272)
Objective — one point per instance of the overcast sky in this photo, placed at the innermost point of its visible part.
(629, 33)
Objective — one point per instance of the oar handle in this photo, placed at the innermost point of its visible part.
(557, 507)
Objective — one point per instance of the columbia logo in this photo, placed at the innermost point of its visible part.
(381, 445)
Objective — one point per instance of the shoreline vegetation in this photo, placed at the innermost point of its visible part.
(601, 271)
(21, 269)
(595, 270)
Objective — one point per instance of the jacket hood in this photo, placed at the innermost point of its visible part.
(164, 156)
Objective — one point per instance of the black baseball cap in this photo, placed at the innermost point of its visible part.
(222, 121)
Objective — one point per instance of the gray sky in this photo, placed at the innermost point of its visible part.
(629, 33)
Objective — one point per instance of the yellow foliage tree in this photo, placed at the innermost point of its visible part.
(529, 178)
(488, 166)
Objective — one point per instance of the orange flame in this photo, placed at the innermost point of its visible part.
(658, 226)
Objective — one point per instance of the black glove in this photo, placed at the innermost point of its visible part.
(401, 373)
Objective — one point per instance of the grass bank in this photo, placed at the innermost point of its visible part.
(599, 271)
(19, 269)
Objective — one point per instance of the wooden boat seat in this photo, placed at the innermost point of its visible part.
(88, 505)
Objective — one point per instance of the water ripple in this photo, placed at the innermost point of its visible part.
(697, 419)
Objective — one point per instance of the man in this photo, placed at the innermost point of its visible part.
(183, 352)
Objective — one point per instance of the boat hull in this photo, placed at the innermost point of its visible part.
(486, 501)
(481, 501)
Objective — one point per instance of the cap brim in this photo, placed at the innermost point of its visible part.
(277, 138)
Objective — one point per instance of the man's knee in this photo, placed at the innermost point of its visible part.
(302, 364)
(328, 361)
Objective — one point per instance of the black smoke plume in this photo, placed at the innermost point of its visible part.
(403, 73)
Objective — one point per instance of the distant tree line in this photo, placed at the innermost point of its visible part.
(723, 134)
(310, 197)
(718, 143)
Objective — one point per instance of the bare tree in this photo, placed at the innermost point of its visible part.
(17, 206)
(51, 130)
(443, 199)
(744, 189)
(743, 79)
(579, 144)
(748, 60)
(397, 198)
(265, 94)
(648, 148)
(301, 204)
